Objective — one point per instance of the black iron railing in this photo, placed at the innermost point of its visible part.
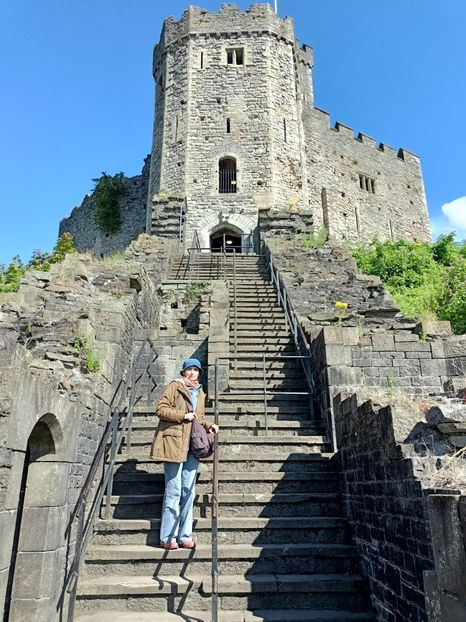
(117, 432)
(227, 180)
(301, 343)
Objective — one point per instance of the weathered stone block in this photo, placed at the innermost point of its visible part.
(39, 610)
(35, 574)
(44, 529)
(413, 346)
(344, 376)
(348, 336)
(338, 355)
(47, 484)
(383, 342)
(448, 543)
(433, 367)
(403, 336)
(455, 348)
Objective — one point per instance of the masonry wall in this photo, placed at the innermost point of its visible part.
(395, 207)
(386, 506)
(111, 306)
(133, 209)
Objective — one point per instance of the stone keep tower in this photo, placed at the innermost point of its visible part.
(238, 140)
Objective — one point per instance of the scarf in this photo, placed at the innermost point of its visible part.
(192, 385)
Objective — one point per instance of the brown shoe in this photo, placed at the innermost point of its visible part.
(187, 544)
(169, 546)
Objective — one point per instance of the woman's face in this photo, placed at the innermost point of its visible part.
(191, 373)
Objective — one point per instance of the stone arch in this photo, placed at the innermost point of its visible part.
(213, 222)
(38, 543)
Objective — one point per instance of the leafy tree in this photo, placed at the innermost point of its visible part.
(107, 192)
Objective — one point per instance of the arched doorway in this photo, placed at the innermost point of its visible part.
(225, 239)
(36, 556)
(227, 175)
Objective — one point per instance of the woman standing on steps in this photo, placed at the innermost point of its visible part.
(182, 401)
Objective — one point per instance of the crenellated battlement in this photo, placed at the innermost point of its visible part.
(229, 21)
(347, 133)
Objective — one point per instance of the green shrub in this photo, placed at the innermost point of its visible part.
(107, 192)
(10, 276)
(426, 280)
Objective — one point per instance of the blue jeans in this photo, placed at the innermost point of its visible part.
(177, 509)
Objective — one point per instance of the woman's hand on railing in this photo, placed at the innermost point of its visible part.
(214, 428)
(189, 416)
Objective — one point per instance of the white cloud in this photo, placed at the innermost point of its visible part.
(455, 211)
(454, 219)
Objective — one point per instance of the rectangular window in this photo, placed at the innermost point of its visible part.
(367, 183)
(228, 126)
(235, 56)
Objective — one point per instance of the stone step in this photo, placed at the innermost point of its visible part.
(233, 559)
(278, 615)
(291, 530)
(272, 384)
(249, 427)
(236, 445)
(286, 373)
(233, 504)
(249, 461)
(279, 400)
(272, 365)
(269, 316)
(270, 483)
(255, 591)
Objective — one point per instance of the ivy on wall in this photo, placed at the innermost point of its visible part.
(107, 192)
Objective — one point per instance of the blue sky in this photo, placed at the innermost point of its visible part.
(77, 95)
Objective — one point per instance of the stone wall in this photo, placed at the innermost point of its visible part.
(55, 407)
(133, 209)
(445, 588)
(394, 206)
(369, 344)
(385, 500)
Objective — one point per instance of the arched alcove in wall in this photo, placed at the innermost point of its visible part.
(40, 524)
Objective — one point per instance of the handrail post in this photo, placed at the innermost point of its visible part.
(265, 397)
(235, 325)
(76, 564)
(214, 511)
(108, 500)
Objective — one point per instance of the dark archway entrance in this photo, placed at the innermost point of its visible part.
(225, 239)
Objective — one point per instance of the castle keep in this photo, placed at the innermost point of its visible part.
(239, 147)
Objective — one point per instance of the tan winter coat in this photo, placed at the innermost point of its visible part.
(171, 440)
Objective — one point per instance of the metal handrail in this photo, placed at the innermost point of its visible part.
(117, 422)
(300, 339)
(214, 511)
(262, 358)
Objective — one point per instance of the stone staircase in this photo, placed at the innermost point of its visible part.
(284, 548)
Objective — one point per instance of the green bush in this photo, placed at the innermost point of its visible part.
(10, 276)
(107, 192)
(426, 280)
